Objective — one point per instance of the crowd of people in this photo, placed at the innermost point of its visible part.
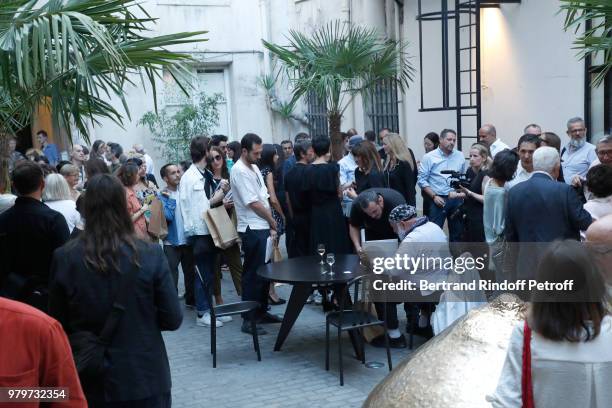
(101, 217)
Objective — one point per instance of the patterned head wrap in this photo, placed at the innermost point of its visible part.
(402, 212)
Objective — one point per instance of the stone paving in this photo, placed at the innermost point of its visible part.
(292, 377)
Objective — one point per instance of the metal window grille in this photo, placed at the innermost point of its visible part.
(317, 115)
(384, 106)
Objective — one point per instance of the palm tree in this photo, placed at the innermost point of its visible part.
(337, 62)
(596, 39)
(72, 55)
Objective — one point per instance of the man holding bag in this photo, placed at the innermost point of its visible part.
(177, 249)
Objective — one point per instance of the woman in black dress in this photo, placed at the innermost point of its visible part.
(269, 165)
(327, 225)
(431, 141)
(368, 173)
(400, 170)
(473, 235)
(479, 163)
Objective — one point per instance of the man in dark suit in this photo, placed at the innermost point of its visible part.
(542, 209)
(29, 233)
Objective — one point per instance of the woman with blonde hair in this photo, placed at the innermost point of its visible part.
(473, 234)
(400, 170)
(70, 172)
(368, 173)
(57, 196)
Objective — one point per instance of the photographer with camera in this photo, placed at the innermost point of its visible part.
(473, 193)
(434, 181)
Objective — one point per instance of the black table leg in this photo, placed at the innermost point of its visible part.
(297, 299)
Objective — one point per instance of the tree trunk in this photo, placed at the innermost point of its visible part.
(337, 147)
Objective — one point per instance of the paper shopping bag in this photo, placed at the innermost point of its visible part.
(221, 227)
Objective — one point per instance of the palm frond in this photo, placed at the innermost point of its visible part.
(596, 40)
(338, 61)
(80, 52)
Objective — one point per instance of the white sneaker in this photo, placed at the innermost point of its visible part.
(318, 299)
(225, 319)
(310, 299)
(205, 321)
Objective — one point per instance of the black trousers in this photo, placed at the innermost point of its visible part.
(182, 255)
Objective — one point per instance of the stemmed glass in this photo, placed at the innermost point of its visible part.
(321, 251)
(331, 259)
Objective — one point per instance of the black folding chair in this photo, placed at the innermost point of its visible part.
(355, 318)
(228, 309)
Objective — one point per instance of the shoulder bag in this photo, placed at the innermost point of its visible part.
(88, 348)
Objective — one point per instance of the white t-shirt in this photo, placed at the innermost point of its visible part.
(248, 186)
(68, 209)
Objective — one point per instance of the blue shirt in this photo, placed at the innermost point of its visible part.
(431, 166)
(172, 212)
(51, 153)
(577, 161)
(347, 175)
(288, 164)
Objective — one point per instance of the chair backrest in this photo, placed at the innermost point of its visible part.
(361, 306)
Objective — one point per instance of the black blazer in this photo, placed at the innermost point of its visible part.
(542, 210)
(81, 299)
(29, 233)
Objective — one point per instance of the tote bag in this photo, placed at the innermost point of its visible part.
(221, 227)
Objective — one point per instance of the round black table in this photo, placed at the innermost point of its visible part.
(304, 273)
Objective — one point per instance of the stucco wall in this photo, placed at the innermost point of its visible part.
(530, 73)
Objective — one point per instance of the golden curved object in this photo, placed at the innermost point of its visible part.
(458, 367)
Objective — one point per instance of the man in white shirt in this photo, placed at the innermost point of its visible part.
(488, 135)
(347, 173)
(578, 154)
(255, 226)
(419, 238)
(527, 145)
(195, 198)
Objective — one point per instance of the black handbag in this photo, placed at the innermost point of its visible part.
(88, 348)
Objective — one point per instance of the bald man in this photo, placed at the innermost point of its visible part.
(488, 136)
(600, 232)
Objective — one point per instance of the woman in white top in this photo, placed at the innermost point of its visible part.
(599, 183)
(571, 338)
(56, 195)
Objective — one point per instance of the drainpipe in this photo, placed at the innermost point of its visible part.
(265, 18)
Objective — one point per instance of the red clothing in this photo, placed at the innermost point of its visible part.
(34, 352)
(133, 205)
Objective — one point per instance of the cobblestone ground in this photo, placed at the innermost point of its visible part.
(292, 377)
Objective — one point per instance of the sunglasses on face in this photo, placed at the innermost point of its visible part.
(217, 158)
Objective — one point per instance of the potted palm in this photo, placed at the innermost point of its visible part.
(335, 63)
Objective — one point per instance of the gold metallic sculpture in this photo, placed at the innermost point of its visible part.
(457, 368)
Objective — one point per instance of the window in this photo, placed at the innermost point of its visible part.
(382, 106)
(317, 115)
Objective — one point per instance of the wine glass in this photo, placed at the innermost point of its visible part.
(331, 259)
(321, 251)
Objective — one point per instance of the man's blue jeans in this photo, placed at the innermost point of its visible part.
(204, 253)
(449, 212)
(254, 287)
